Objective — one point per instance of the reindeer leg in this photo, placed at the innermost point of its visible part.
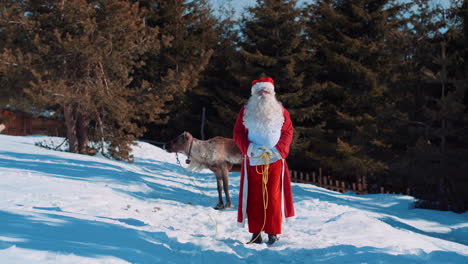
(225, 175)
(219, 181)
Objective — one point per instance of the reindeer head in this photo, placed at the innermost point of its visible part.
(180, 143)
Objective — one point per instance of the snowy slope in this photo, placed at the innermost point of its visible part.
(58, 207)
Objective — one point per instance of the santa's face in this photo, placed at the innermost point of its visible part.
(263, 117)
(263, 92)
(263, 99)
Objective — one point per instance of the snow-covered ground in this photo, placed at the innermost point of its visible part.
(58, 207)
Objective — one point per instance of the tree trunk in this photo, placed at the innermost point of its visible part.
(70, 123)
(101, 130)
(82, 133)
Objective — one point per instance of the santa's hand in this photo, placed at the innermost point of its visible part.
(265, 150)
(255, 150)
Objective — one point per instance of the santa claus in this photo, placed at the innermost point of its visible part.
(263, 132)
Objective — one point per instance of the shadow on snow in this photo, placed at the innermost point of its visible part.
(94, 239)
(396, 207)
(165, 173)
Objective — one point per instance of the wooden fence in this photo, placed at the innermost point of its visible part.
(21, 124)
(360, 186)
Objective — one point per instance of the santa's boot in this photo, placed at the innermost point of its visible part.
(256, 238)
(272, 239)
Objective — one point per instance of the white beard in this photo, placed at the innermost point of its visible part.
(263, 117)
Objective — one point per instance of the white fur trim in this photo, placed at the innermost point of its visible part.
(282, 190)
(250, 149)
(290, 219)
(245, 193)
(263, 86)
(241, 224)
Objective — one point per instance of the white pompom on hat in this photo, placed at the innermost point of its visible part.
(263, 84)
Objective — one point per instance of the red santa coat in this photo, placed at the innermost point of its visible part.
(241, 139)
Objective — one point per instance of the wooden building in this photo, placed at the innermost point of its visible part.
(21, 124)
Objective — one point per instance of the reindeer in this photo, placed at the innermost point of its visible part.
(219, 154)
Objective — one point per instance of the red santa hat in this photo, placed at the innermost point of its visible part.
(263, 84)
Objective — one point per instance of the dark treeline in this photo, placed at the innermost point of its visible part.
(374, 87)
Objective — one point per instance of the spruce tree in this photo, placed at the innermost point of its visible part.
(440, 154)
(429, 94)
(352, 42)
(461, 39)
(272, 46)
(221, 100)
(436, 163)
(187, 37)
(402, 113)
(196, 101)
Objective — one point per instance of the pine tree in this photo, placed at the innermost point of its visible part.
(461, 39)
(440, 154)
(187, 37)
(15, 35)
(221, 100)
(80, 55)
(197, 100)
(436, 163)
(352, 42)
(272, 44)
(429, 96)
(417, 39)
